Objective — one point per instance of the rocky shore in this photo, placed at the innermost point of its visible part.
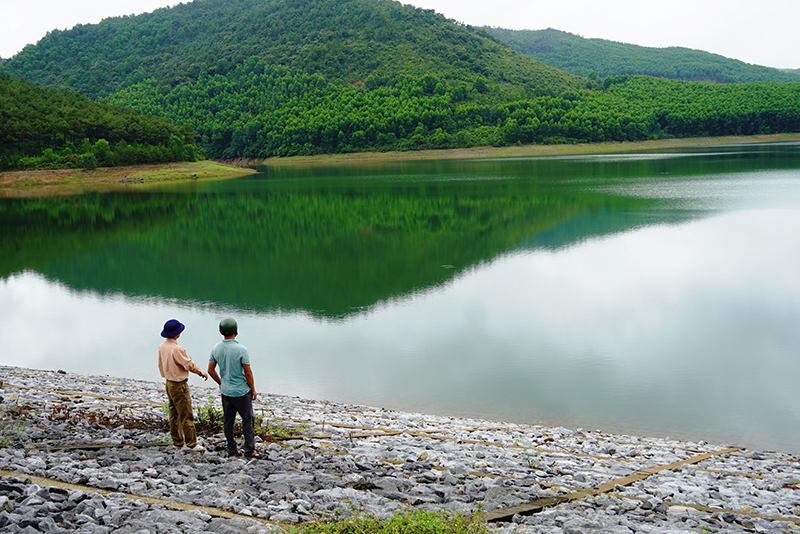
(91, 454)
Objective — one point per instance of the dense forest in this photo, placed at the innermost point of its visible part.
(261, 110)
(263, 78)
(603, 58)
(345, 41)
(284, 114)
(50, 128)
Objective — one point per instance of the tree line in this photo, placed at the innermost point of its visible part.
(262, 110)
(344, 41)
(43, 128)
(603, 58)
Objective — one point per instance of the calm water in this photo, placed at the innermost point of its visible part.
(651, 294)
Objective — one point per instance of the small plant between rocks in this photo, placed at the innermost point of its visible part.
(210, 417)
(208, 420)
(529, 455)
(11, 415)
(117, 416)
(405, 522)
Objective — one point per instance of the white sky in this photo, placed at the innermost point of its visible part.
(763, 33)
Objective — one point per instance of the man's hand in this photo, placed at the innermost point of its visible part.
(248, 376)
(212, 372)
(204, 375)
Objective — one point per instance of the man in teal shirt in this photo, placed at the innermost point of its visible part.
(236, 385)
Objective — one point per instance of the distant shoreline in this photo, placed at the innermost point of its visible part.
(529, 150)
(107, 179)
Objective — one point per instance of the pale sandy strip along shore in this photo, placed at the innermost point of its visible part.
(355, 458)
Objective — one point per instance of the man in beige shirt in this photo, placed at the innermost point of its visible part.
(175, 365)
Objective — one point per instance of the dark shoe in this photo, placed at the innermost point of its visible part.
(234, 453)
(254, 454)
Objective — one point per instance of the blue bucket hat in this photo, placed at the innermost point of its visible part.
(172, 328)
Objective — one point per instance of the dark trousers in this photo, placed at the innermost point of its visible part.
(244, 407)
(181, 418)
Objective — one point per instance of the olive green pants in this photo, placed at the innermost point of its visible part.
(181, 418)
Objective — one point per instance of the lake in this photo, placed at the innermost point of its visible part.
(653, 294)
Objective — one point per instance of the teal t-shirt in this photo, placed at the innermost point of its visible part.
(230, 356)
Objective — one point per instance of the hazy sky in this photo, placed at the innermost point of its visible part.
(764, 33)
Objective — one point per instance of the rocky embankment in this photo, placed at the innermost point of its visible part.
(91, 454)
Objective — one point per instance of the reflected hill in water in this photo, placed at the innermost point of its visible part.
(328, 242)
(39, 231)
(601, 222)
(329, 253)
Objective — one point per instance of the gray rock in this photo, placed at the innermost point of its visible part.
(37, 463)
(296, 484)
(285, 517)
(109, 484)
(220, 526)
(48, 525)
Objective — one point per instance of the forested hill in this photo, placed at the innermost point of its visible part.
(265, 78)
(581, 56)
(49, 128)
(345, 41)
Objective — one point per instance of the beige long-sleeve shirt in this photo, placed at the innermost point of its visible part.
(173, 362)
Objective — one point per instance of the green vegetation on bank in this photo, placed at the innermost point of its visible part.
(46, 128)
(42, 182)
(406, 522)
(210, 419)
(603, 58)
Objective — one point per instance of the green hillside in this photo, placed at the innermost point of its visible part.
(581, 56)
(282, 114)
(345, 41)
(50, 128)
(265, 78)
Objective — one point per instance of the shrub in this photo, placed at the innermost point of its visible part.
(413, 522)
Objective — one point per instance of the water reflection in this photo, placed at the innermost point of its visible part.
(328, 250)
(536, 291)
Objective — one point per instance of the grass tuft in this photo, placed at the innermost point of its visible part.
(405, 522)
(210, 417)
(11, 415)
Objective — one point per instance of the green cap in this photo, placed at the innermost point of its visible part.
(228, 327)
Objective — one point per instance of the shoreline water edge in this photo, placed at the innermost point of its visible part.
(108, 179)
(91, 454)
